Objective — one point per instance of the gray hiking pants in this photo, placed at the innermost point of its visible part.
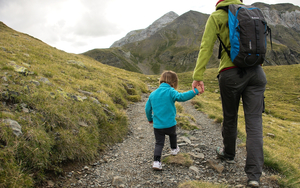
(251, 88)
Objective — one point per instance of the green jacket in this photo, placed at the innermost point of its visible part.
(215, 25)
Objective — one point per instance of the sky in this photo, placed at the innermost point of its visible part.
(76, 26)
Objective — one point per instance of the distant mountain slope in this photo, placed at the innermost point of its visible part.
(176, 45)
(285, 24)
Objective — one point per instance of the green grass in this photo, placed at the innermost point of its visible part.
(184, 121)
(183, 159)
(282, 117)
(200, 184)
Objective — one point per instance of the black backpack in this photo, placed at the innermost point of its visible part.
(248, 32)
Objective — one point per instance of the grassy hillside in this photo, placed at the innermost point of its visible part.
(69, 107)
(281, 121)
(115, 57)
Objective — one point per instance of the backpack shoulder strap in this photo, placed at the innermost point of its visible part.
(225, 8)
(220, 48)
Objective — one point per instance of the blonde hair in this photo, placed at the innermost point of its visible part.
(170, 78)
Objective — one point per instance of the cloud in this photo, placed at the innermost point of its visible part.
(59, 22)
(91, 24)
(20, 13)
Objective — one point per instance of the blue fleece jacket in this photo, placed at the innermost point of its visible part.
(160, 107)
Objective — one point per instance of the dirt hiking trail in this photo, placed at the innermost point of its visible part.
(129, 164)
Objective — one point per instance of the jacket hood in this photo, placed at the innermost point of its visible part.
(228, 2)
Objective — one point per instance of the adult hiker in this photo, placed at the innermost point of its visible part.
(235, 82)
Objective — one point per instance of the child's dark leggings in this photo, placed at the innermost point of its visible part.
(160, 140)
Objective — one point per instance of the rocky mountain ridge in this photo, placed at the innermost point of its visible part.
(175, 44)
(138, 35)
(289, 17)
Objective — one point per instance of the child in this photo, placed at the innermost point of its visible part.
(160, 110)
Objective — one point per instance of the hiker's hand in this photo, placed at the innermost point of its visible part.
(200, 84)
(151, 122)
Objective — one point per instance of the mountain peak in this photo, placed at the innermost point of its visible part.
(138, 35)
(168, 16)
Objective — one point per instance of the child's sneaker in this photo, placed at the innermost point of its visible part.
(220, 154)
(175, 151)
(157, 165)
(253, 183)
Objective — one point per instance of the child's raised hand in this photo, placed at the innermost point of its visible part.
(199, 88)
